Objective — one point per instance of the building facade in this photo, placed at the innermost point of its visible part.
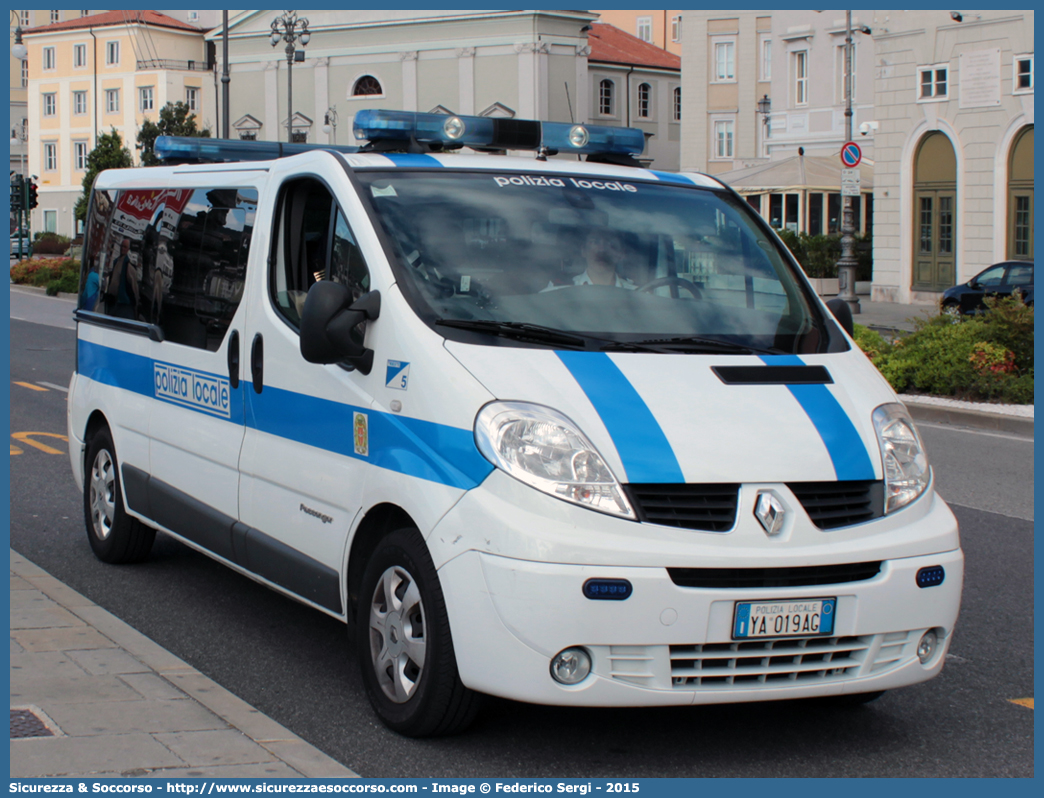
(97, 73)
(661, 29)
(954, 147)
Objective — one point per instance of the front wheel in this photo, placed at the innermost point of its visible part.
(115, 536)
(404, 645)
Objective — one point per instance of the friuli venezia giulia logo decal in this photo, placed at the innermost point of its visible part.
(362, 435)
(195, 390)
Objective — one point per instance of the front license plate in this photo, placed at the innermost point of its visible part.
(787, 618)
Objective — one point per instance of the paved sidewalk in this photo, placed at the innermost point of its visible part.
(109, 702)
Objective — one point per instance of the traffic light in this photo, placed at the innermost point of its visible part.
(33, 202)
(16, 193)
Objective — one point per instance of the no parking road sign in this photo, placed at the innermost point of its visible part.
(851, 155)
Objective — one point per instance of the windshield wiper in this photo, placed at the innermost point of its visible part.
(699, 343)
(518, 330)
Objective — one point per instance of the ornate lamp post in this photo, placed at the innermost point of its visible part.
(290, 28)
(330, 123)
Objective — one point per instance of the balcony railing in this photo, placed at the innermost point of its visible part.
(169, 63)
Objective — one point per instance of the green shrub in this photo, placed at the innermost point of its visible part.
(43, 272)
(818, 255)
(988, 357)
(50, 244)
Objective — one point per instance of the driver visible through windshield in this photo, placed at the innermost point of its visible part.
(567, 262)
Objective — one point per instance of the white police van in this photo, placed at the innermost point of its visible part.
(568, 432)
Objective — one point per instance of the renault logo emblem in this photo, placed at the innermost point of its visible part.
(770, 512)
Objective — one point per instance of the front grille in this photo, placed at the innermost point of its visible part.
(802, 576)
(832, 505)
(768, 662)
(710, 508)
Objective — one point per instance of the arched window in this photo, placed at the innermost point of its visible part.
(366, 85)
(677, 103)
(935, 214)
(605, 98)
(644, 100)
(1020, 197)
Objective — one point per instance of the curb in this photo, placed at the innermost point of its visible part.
(975, 419)
(286, 746)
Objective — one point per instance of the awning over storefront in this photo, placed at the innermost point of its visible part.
(798, 172)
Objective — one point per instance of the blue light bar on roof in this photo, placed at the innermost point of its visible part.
(187, 149)
(480, 132)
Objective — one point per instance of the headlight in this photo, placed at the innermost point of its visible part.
(906, 469)
(544, 449)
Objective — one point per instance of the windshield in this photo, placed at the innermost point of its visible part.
(486, 256)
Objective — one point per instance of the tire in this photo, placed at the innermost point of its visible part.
(115, 537)
(404, 645)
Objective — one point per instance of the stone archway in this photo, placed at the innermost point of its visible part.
(1020, 197)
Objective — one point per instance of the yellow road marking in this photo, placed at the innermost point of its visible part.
(1022, 702)
(15, 449)
(30, 386)
(25, 437)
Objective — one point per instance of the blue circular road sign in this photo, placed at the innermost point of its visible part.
(851, 155)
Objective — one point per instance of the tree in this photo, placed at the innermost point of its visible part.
(108, 153)
(175, 119)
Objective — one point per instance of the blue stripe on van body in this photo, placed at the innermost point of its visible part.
(435, 452)
(645, 451)
(835, 428)
(416, 160)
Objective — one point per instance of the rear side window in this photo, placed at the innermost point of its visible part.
(195, 269)
(95, 253)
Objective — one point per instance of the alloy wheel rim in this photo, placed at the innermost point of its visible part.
(398, 634)
(103, 495)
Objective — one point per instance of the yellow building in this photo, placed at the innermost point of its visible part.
(660, 28)
(91, 74)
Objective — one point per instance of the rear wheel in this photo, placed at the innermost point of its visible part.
(404, 645)
(115, 537)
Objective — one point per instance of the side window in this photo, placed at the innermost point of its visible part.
(992, 276)
(95, 252)
(313, 242)
(125, 249)
(194, 279)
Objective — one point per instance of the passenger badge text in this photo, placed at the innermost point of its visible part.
(193, 389)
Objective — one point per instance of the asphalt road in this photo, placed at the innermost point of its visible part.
(296, 665)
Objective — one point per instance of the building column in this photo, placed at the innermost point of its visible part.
(321, 82)
(466, 80)
(582, 110)
(409, 80)
(271, 122)
(532, 80)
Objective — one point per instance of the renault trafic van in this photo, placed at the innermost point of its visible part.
(572, 432)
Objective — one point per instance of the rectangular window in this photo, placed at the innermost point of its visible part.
(676, 28)
(112, 53)
(79, 102)
(725, 61)
(248, 135)
(932, 82)
(79, 55)
(24, 18)
(145, 99)
(56, 16)
(193, 16)
(677, 104)
(85, 13)
(644, 100)
(766, 59)
(801, 77)
(112, 101)
(645, 29)
(50, 156)
(192, 98)
(926, 226)
(723, 139)
(1023, 81)
(815, 214)
(48, 58)
(605, 98)
(945, 225)
(80, 156)
(50, 221)
(25, 73)
(299, 137)
(50, 104)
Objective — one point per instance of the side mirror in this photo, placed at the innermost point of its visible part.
(327, 321)
(843, 313)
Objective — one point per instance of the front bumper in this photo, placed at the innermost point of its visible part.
(670, 645)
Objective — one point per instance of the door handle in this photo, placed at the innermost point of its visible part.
(257, 362)
(233, 359)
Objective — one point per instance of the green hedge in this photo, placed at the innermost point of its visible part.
(979, 358)
(818, 255)
(50, 244)
(54, 275)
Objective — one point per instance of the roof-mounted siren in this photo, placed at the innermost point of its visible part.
(186, 149)
(405, 131)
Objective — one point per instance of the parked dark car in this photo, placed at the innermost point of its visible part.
(1000, 279)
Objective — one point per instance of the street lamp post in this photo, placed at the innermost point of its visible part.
(846, 266)
(290, 28)
(330, 123)
(765, 108)
(18, 137)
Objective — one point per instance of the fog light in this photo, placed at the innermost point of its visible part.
(926, 648)
(570, 666)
